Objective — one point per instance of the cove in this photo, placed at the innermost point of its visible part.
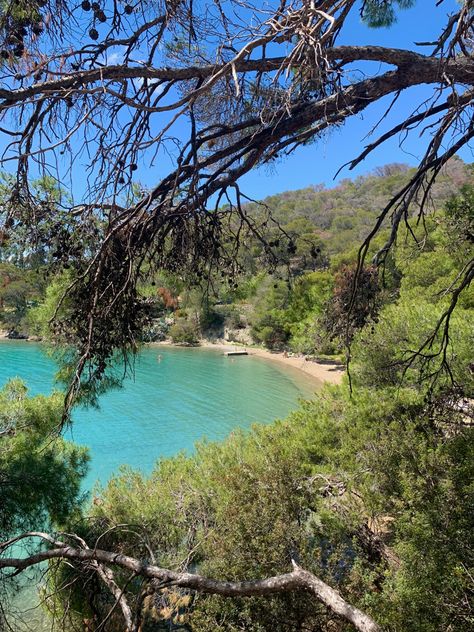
(177, 397)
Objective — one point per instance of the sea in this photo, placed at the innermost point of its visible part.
(174, 398)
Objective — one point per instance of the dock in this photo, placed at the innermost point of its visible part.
(236, 353)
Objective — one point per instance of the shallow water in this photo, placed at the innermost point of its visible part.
(177, 397)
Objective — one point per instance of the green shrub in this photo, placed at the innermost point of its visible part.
(184, 332)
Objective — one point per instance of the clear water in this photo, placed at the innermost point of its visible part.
(177, 397)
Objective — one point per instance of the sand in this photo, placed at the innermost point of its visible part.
(328, 373)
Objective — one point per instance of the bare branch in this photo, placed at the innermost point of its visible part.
(298, 579)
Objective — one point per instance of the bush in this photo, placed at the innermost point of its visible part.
(184, 332)
(270, 331)
(234, 320)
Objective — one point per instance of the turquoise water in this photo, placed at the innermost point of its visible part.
(177, 397)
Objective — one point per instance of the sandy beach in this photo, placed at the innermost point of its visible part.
(328, 373)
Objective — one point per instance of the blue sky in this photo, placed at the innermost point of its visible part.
(319, 162)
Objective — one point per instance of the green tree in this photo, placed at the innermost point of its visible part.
(40, 476)
(19, 291)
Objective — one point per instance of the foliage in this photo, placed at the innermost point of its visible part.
(22, 21)
(460, 214)
(269, 326)
(378, 13)
(342, 216)
(364, 492)
(291, 315)
(389, 350)
(184, 332)
(309, 297)
(407, 342)
(19, 291)
(40, 476)
(368, 490)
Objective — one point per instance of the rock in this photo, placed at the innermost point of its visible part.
(16, 335)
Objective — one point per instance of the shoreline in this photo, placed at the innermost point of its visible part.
(330, 373)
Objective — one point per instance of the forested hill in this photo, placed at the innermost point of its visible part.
(326, 227)
(343, 215)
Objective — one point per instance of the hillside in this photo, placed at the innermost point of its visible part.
(343, 215)
(325, 226)
(298, 306)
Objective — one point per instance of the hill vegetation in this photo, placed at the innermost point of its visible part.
(366, 488)
(295, 305)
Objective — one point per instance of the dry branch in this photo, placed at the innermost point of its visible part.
(298, 579)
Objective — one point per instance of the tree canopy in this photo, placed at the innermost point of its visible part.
(201, 93)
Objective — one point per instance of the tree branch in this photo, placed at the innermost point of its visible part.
(298, 579)
(458, 67)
